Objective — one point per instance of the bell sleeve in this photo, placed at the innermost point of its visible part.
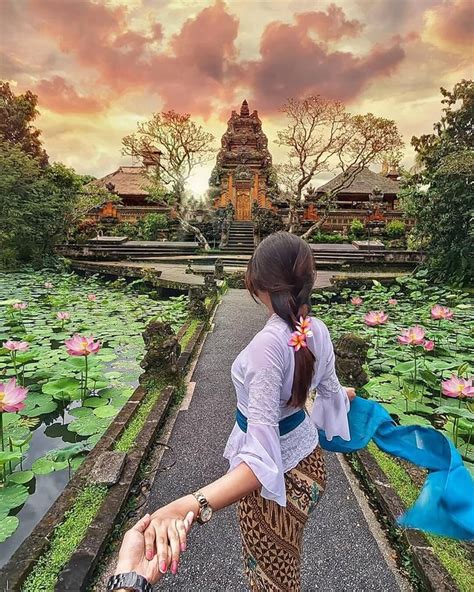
(261, 449)
(332, 403)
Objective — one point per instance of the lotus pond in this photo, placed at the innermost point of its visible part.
(73, 387)
(420, 360)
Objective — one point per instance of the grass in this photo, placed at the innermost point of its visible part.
(453, 555)
(66, 537)
(193, 325)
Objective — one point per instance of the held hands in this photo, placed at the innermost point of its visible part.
(134, 556)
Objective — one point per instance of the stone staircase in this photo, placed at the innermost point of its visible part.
(241, 241)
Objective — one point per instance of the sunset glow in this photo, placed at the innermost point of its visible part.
(100, 66)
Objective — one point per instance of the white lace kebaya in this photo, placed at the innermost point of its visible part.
(263, 376)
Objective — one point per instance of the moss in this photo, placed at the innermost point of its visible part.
(193, 325)
(65, 539)
(453, 555)
(128, 437)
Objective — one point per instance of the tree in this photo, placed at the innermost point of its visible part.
(439, 194)
(322, 136)
(16, 116)
(176, 145)
(34, 204)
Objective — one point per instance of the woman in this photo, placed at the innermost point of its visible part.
(276, 466)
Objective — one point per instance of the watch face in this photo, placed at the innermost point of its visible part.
(206, 514)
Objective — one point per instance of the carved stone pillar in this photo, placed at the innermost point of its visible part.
(196, 304)
(162, 350)
(351, 355)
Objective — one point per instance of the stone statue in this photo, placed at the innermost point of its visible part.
(162, 350)
(351, 355)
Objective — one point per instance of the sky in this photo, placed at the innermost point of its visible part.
(100, 66)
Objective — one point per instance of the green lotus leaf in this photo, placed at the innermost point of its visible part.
(7, 457)
(40, 410)
(68, 385)
(21, 477)
(66, 453)
(94, 402)
(8, 525)
(106, 411)
(455, 412)
(86, 426)
(404, 367)
(12, 496)
(80, 411)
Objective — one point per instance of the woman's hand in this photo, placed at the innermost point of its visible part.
(132, 554)
(165, 537)
(350, 392)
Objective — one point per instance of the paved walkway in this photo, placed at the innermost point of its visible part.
(340, 551)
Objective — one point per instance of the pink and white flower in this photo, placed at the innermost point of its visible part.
(91, 297)
(374, 318)
(439, 312)
(428, 345)
(356, 300)
(393, 301)
(412, 336)
(16, 346)
(79, 345)
(297, 340)
(11, 396)
(63, 316)
(457, 387)
(48, 285)
(20, 305)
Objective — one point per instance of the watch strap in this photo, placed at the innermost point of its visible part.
(129, 581)
(203, 503)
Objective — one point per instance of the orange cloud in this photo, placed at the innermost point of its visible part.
(451, 27)
(58, 95)
(331, 25)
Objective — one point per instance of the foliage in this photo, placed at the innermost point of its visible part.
(70, 411)
(151, 226)
(439, 197)
(411, 389)
(452, 555)
(65, 539)
(34, 205)
(17, 114)
(266, 221)
(326, 237)
(395, 229)
(357, 228)
(320, 133)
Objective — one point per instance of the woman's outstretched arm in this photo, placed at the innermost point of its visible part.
(162, 531)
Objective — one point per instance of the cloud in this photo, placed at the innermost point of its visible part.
(293, 64)
(58, 95)
(450, 26)
(329, 26)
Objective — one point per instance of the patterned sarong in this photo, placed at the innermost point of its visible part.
(272, 535)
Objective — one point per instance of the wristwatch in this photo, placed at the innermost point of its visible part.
(205, 510)
(129, 581)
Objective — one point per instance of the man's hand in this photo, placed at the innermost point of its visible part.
(132, 552)
(350, 392)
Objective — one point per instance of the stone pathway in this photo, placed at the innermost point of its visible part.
(341, 553)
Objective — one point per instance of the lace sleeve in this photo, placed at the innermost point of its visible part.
(332, 403)
(261, 450)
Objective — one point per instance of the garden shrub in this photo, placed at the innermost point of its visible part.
(357, 228)
(152, 225)
(395, 229)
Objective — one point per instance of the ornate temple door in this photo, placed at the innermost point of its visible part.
(243, 210)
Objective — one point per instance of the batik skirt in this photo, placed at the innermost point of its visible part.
(272, 535)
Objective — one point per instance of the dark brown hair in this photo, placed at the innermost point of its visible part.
(283, 266)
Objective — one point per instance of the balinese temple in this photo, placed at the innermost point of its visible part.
(243, 165)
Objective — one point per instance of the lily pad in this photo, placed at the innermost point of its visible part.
(12, 496)
(106, 411)
(8, 525)
(21, 477)
(94, 402)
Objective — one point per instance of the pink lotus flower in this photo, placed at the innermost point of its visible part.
(48, 285)
(91, 297)
(412, 336)
(20, 305)
(11, 396)
(63, 316)
(457, 387)
(439, 312)
(16, 346)
(356, 300)
(374, 318)
(393, 301)
(428, 345)
(81, 346)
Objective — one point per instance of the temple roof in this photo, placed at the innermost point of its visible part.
(127, 180)
(364, 182)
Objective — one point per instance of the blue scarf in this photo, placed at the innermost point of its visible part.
(445, 505)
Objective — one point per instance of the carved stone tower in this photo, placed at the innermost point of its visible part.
(243, 165)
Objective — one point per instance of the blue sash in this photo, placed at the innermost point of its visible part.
(286, 425)
(445, 505)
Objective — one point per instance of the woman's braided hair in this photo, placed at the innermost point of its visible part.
(283, 266)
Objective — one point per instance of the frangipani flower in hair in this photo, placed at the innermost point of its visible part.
(298, 337)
